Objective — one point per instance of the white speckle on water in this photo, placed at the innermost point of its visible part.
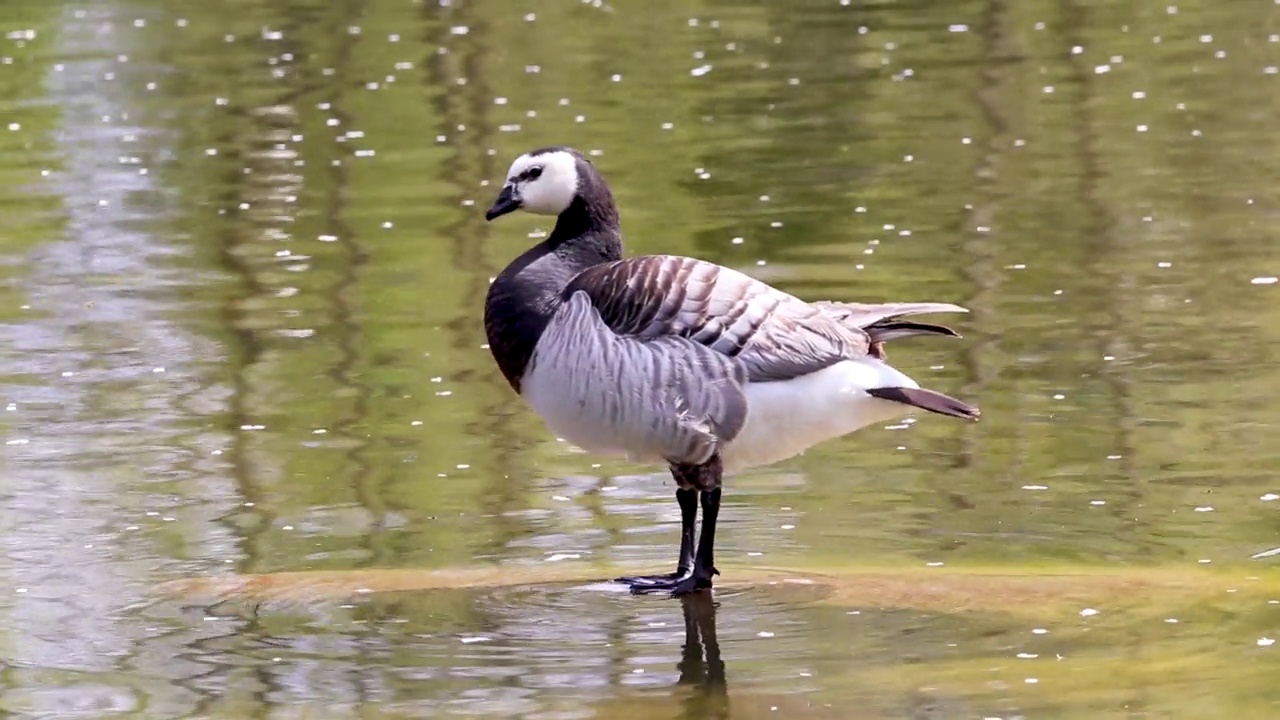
(1027, 656)
(1266, 642)
(1171, 621)
(1204, 508)
(1164, 264)
(958, 28)
(1039, 631)
(1265, 498)
(1088, 612)
(1142, 128)
(473, 639)
(1035, 487)
(1031, 681)
(1266, 280)
(1139, 95)
(557, 557)
(1097, 502)
(764, 634)
(933, 564)
(700, 70)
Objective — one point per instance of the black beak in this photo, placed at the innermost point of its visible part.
(508, 201)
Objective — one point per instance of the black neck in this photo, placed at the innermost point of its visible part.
(590, 221)
(585, 235)
(527, 293)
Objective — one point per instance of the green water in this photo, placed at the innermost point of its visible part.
(258, 463)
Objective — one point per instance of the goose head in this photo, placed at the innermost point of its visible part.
(542, 182)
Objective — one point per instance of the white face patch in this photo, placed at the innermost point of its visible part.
(553, 188)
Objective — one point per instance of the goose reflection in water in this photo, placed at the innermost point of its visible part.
(700, 665)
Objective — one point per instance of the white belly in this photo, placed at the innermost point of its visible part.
(789, 417)
(784, 418)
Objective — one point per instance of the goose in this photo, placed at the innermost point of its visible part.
(675, 360)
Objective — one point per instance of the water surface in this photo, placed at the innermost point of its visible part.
(258, 463)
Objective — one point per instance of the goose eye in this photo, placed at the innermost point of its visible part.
(534, 172)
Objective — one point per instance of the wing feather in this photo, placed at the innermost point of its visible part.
(662, 396)
(776, 335)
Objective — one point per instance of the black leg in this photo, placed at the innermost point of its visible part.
(706, 478)
(704, 563)
(688, 499)
(704, 566)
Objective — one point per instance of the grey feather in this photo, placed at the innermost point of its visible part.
(864, 315)
(665, 396)
(775, 335)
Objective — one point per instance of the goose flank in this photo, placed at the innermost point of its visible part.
(674, 360)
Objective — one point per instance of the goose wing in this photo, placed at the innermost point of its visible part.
(775, 335)
(649, 397)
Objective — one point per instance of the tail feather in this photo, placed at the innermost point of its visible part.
(927, 400)
(862, 315)
(887, 330)
(881, 321)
